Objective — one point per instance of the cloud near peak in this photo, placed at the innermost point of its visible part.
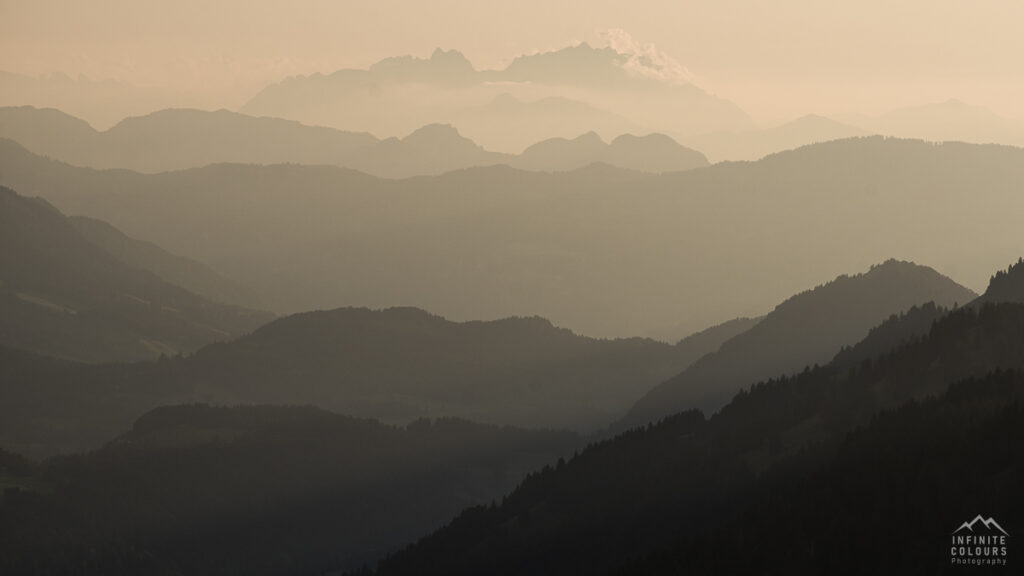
(644, 60)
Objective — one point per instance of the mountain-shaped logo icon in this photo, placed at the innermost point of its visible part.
(989, 523)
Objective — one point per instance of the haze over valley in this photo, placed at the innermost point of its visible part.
(486, 288)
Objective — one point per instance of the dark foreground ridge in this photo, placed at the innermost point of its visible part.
(254, 490)
(300, 491)
(806, 471)
(805, 330)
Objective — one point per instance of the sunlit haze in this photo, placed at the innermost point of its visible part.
(516, 287)
(775, 59)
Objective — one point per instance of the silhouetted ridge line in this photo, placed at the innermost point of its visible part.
(788, 453)
(604, 252)
(396, 365)
(806, 329)
(1006, 285)
(177, 139)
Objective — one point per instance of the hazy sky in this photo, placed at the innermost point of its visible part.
(775, 58)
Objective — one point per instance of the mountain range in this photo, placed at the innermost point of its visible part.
(602, 251)
(575, 314)
(174, 139)
(394, 365)
(397, 95)
(756, 144)
(299, 490)
(512, 124)
(803, 466)
(102, 102)
(654, 153)
(177, 139)
(397, 365)
(950, 120)
(400, 364)
(533, 99)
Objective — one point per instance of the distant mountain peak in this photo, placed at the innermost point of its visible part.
(956, 104)
(653, 90)
(438, 56)
(811, 128)
(584, 45)
(577, 64)
(587, 138)
(434, 134)
(893, 263)
(451, 56)
(653, 153)
(805, 329)
(891, 269)
(436, 128)
(653, 138)
(583, 48)
(957, 111)
(445, 66)
(174, 115)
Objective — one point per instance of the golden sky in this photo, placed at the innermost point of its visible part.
(776, 59)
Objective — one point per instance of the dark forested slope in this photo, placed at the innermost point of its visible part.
(256, 490)
(807, 329)
(674, 488)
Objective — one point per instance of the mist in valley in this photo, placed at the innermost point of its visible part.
(479, 288)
